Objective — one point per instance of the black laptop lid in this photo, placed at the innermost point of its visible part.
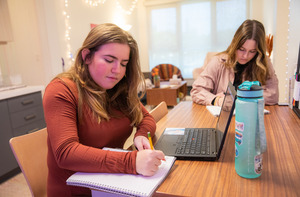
(225, 115)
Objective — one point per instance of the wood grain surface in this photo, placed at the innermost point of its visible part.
(281, 162)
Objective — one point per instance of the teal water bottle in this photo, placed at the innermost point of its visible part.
(250, 137)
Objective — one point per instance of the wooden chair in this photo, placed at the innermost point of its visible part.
(158, 113)
(30, 151)
(198, 71)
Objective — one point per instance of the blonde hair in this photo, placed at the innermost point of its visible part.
(257, 69)
(123, 96)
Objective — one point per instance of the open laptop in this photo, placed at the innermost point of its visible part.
(174, 141)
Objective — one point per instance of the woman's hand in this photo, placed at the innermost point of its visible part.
(219, 99)
(148, 161)
(141, 143)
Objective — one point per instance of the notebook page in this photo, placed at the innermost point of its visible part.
(127, 184)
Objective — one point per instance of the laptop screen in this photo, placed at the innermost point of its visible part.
(226, 112)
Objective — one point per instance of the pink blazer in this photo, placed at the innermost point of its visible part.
(215, 77)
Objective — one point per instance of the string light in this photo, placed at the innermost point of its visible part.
(131, 8)
(91, 3)
(94, 3)
(68, 28)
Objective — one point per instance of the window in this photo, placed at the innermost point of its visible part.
(181, 33)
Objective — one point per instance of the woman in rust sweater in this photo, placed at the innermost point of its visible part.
(95, 105)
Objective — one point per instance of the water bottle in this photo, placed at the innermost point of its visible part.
(250, 137)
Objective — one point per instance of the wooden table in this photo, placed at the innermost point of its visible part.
(169, 94)
(281, 162)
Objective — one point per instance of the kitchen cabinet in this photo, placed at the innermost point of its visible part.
(18, 116)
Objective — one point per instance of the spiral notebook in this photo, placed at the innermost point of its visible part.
(123, 184)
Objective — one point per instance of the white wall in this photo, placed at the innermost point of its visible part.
(49, 26)
(24, 55)
(143, 36)
(293, 42)
(280, 48)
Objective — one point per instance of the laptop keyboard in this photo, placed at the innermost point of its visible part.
(195, 142)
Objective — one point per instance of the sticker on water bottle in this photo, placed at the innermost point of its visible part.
(236, 152)
(258, 164)
(238, 137)
(239, 126)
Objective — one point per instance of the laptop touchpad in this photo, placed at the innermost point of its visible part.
(168, 144)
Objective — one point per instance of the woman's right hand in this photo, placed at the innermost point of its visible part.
(148, 161)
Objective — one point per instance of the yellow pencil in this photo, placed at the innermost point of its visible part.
(150, 141)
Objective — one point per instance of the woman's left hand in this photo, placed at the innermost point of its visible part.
(219, 99)
(141, 143)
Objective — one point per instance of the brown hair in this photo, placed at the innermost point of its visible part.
(257, 69)
(123, 96)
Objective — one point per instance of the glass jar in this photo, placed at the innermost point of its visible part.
(156, 81)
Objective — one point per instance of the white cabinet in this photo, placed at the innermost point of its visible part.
(5, 24)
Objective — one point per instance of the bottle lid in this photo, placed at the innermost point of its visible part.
(250, 89)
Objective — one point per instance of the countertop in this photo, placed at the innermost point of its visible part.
(19, 91)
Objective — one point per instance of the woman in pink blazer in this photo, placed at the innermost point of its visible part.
(244, 59)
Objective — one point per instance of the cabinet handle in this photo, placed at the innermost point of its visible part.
(29, 117)
(33, 130)
(27, 102)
